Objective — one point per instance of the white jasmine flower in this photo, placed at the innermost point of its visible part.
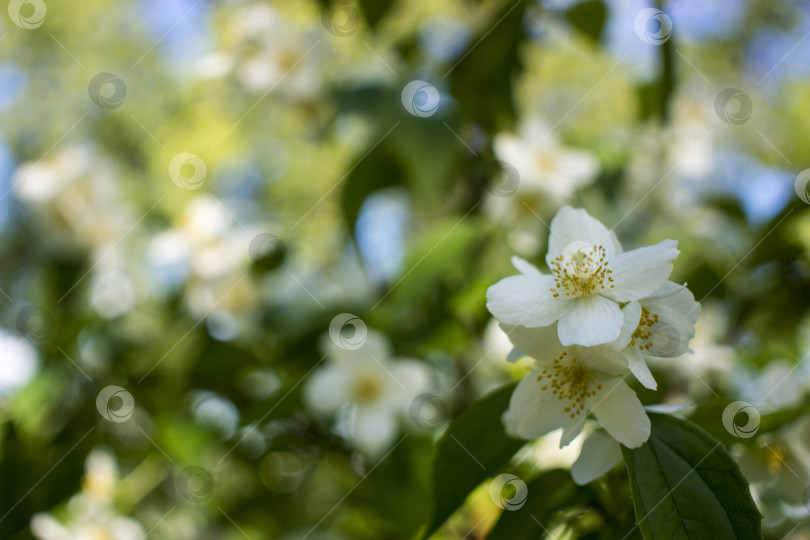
(659, 325)
(544, 165)
(548, 173)
(569, 383)
(91, 513)
(372, 390)
(591, 277)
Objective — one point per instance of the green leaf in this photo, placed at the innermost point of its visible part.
(482, 78)
(589, 17)
(686, 485)
(709, 416)
(473, 448)
(532, 520)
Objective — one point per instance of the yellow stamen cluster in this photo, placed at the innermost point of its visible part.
(582, 273)
(570, 381)
(775, 458)
(367, 389)
(642, 337)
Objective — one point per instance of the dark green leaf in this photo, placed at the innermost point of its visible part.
(482, 79)
(547, 494)
(589, 17)
(709, 416)
(686, 485)
(473, 448)
(375, 10)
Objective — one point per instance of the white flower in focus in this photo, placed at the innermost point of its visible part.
(568, 384)
(591, 277)
(660, 325)
(372, 390)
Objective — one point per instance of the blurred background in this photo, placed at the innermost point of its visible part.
(204, 202)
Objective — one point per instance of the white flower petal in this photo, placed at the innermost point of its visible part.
(526, 300)
(603, 359)
(576, 225)
(411, 378)
(620, 412)
(525, 267)
(677, 314)
(533, 412)
(374, 430)
(327, 388)
(515, 355)
(632, 316)
(571, 431)
(540, 343)
(638, 367)
(642, 271)
(593, 320)
(600, 452)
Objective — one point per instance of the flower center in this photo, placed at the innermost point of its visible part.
(580, 270)
(643, 334)
(367, 389)
(570, 382)
(775, 458)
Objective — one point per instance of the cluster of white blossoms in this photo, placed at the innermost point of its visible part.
(595, 318)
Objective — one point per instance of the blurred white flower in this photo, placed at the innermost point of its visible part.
(591, 277)
(265, 50)
(708, 358)
(543, 164)
(783, 384)
(19, 364)
(569, 383)
(76, 197)
(372, 390)
(91, 512)
(112, 293)
(548, 176)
